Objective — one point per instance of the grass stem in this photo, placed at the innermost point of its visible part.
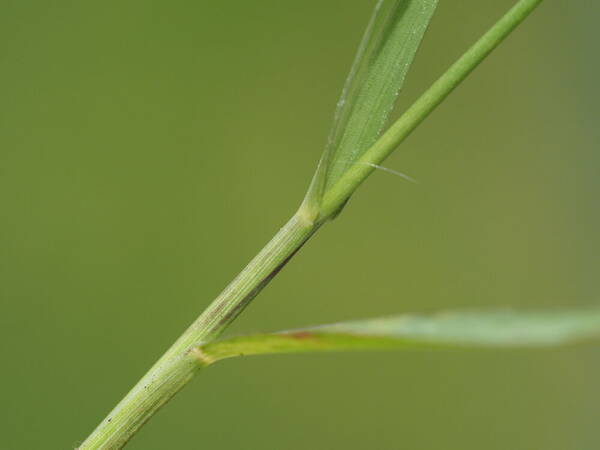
(182, 360)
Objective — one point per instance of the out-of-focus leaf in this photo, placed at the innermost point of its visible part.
(377, 75)
(495, 329)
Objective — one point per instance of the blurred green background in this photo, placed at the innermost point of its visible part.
(148, 149)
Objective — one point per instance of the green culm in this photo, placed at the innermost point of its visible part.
(358, 143)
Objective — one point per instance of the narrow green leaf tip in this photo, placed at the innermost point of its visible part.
(492, 329)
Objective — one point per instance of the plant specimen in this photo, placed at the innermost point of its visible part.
(357, 146)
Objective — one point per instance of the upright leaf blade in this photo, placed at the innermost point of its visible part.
(493, 329)
(377, 75)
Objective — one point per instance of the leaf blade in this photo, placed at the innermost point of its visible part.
(493, 329)
(384, 57)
